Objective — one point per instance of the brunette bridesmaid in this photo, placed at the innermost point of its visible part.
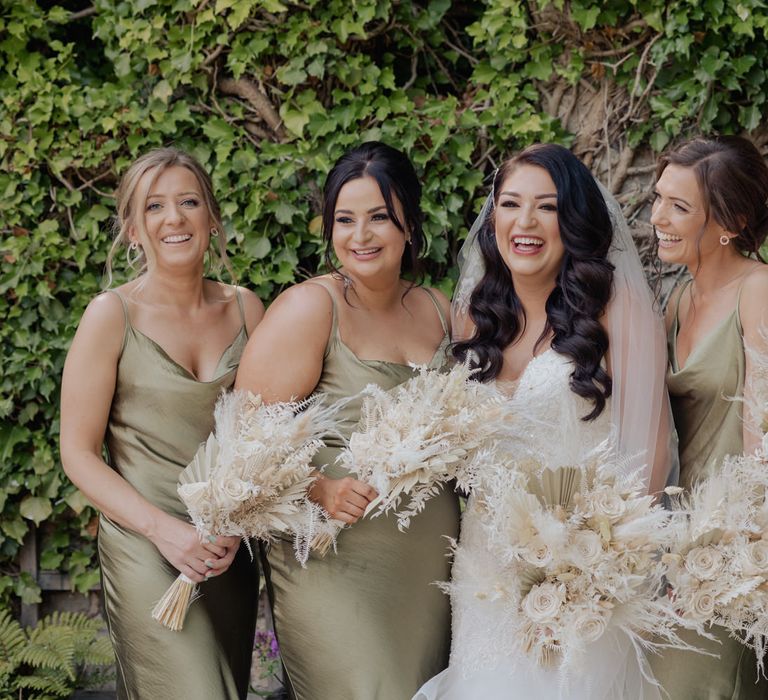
(365, 622)
(710, 214)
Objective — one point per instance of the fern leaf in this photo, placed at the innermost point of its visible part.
(12, 640)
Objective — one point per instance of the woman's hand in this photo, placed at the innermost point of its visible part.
(180, 545)
(343, 499)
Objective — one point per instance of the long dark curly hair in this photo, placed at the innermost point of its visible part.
(582, 289)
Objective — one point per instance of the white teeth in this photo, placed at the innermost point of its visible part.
(526, 240)
(177, 239)
(667, 237)
(366, 251)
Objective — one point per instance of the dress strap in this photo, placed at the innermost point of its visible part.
(126, 316)
(241, 309)
(334, 314)
(679, 297)
(443, 322)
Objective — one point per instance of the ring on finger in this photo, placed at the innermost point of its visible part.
(208, 563)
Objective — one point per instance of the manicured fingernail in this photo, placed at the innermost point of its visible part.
(208, 563)
(212, 539)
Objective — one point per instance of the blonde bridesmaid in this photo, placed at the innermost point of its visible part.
(141, 378)
(710, 214)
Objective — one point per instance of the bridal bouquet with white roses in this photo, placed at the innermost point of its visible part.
(251, 480)
(434, 428)
(581, 546)
(717, 566)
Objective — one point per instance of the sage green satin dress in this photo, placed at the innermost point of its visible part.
(160, 414)
(709, 427)
(366, 622)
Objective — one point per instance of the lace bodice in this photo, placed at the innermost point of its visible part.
(553, 429)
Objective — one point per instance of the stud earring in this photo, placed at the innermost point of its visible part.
(725, 240)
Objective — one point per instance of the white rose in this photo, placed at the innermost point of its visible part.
(701, 604)
(608, 503)
(704, 562)
(543, 602)
(233, 491)
(754, 558)
(590, 627)
(587, 547)
(537, 553)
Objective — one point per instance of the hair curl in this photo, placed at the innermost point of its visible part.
(733, 180)
(582, 289)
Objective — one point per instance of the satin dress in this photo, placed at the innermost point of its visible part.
(366, 622)
(159, 415)
(709, 427)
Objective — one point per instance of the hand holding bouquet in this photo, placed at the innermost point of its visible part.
(432, 429)
(251, 479)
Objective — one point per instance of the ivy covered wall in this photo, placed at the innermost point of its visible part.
(267, 93)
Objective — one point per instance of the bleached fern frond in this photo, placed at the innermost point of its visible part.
(434, 428)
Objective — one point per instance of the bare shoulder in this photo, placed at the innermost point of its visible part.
(104, 314)
(753, 302)
(102, 328)
(306, 309)
(253, 307)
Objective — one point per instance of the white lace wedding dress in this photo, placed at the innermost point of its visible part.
(484, 663)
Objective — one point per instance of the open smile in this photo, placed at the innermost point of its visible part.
(527, 245)
(177, 238)
(365, 253)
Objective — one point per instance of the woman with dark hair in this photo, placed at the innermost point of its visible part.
(364, 622)
(711, 215)
(551, 304)
(146, 366)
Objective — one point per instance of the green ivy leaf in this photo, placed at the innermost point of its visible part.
(35, 509)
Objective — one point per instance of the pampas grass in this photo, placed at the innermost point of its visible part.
(580, 547)
(251, 480)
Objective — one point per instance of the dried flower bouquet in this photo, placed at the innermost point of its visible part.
(251, 480)
(432, 429)
(580, 546)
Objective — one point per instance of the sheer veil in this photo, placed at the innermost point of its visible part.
(640, 412)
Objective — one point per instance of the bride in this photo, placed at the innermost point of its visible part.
(552, 301)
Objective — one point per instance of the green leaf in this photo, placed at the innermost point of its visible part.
(35, 509)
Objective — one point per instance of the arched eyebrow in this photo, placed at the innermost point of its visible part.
(538, 196)
(370, 211)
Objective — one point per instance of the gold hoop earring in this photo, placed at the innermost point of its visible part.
(725, 240)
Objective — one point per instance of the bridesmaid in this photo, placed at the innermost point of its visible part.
(143, 373)
(710, 214)
(364, 623)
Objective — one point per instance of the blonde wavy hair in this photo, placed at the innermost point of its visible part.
(128, 208)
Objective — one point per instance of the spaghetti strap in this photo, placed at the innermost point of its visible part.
(679, 297)
(126, 317)
(242, 310)
(333, 336)
(443, 322)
